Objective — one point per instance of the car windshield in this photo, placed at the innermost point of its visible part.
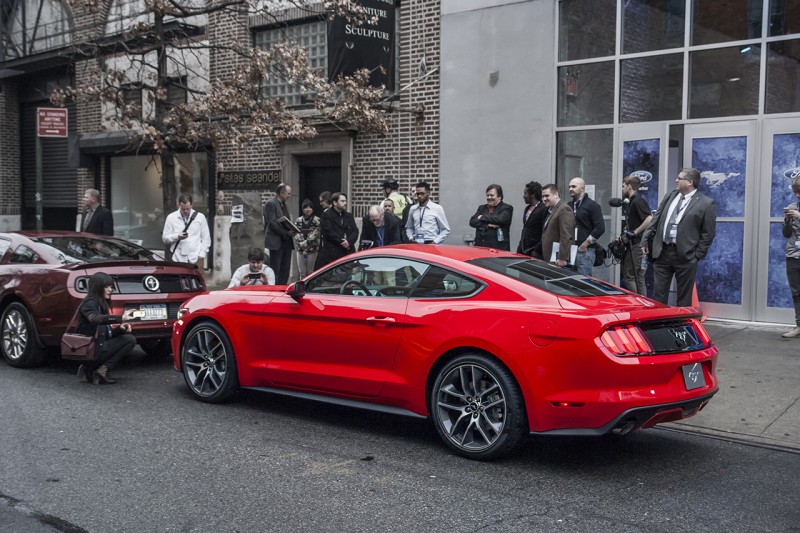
(550, 278)
(71, 250)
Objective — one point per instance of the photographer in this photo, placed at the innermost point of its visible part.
(255, 272)
(637, 217)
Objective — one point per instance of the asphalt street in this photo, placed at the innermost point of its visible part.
(143, 455)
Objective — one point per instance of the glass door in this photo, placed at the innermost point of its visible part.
(723, 153)
(780, 164)
(642, 152)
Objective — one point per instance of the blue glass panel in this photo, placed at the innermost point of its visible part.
(722, 162)
(778, 294)
(785, 167)
(719, 275)
(640, 158)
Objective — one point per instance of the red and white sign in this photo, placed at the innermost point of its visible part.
(51, 122)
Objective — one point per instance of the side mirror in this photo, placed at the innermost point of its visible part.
(297, 290)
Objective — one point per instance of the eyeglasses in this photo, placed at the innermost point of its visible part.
(683, 178)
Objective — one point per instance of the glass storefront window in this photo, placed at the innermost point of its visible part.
(717, 22)
(588, 154)
(586, 94)
(136, 200)
(586, 29)
(651, 88)
(652, 25)
(724, 82)
(784, 17)
(783, 81)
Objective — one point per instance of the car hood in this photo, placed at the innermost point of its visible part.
(627, 307)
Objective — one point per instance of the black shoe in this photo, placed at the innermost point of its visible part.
(104, 379)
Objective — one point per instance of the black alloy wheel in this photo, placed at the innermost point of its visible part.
(208, 363)
(477, 407)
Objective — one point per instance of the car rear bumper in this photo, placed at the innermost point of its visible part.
(640, 417)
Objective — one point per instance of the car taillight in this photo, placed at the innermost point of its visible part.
(626, 340)
(82, 284)
(701, 332)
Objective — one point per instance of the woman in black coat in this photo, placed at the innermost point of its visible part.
(492, 220)
(113, 344)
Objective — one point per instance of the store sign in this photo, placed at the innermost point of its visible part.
(352, 47)
(248, 180)
(51, 122)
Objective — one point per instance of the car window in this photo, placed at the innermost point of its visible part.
(369, 276)
(550, 278)
(4, 245)
(441, 283)
(23, 254)
(75, 249)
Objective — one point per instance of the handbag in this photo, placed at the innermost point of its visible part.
(77, 347)
(599, 254)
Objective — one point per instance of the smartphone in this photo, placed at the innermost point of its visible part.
(138, 313)
(254, 275)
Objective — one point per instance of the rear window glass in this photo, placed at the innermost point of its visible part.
(69, 250)
(550, 278)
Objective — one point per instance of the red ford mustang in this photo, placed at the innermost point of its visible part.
(44, 277)
(490, 345)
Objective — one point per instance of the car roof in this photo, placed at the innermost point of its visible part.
(445, 251)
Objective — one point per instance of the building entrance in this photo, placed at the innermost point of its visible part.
(748, 175)
(318, 173)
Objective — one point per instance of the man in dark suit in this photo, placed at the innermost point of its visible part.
(532, 218)
(339, 231)
(278, 238)
(492, 220)
(96, 219)
(558, 227)
(379, 228)
(679, 236)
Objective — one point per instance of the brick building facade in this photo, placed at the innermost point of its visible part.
(344, 159)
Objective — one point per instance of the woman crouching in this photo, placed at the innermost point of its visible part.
(112, 344)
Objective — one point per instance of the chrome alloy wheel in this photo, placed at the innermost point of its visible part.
(205, 363)
(471, 407)
(15, 334)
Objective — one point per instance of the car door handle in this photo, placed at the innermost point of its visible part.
(380, 321)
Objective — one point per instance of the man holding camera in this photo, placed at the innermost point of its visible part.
(637, 217)
(255, 272)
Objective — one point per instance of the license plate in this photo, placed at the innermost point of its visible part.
(693, 376)
(154, 311)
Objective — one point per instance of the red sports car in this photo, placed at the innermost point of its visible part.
(490, 345)
(44, 277)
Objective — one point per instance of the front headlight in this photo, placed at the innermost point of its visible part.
(182, 311)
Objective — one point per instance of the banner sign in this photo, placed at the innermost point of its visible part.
(248, 180)
(352, 47)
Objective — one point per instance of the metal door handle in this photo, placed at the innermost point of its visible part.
(380, 320)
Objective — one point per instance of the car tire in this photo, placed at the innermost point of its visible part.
(208, 363)
(486, 423)
(156, 349)
(19, 342)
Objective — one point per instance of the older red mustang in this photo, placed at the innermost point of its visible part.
(490, 345)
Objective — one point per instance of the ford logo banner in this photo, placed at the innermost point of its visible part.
(792, 173)
(643, 175)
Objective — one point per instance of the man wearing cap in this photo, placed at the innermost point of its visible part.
(390, 187)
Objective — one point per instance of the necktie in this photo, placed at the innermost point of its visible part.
(673, 218)
(86, 218)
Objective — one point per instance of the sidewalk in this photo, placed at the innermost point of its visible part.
(759, 393)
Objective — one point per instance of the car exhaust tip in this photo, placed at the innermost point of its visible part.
(623, 428)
